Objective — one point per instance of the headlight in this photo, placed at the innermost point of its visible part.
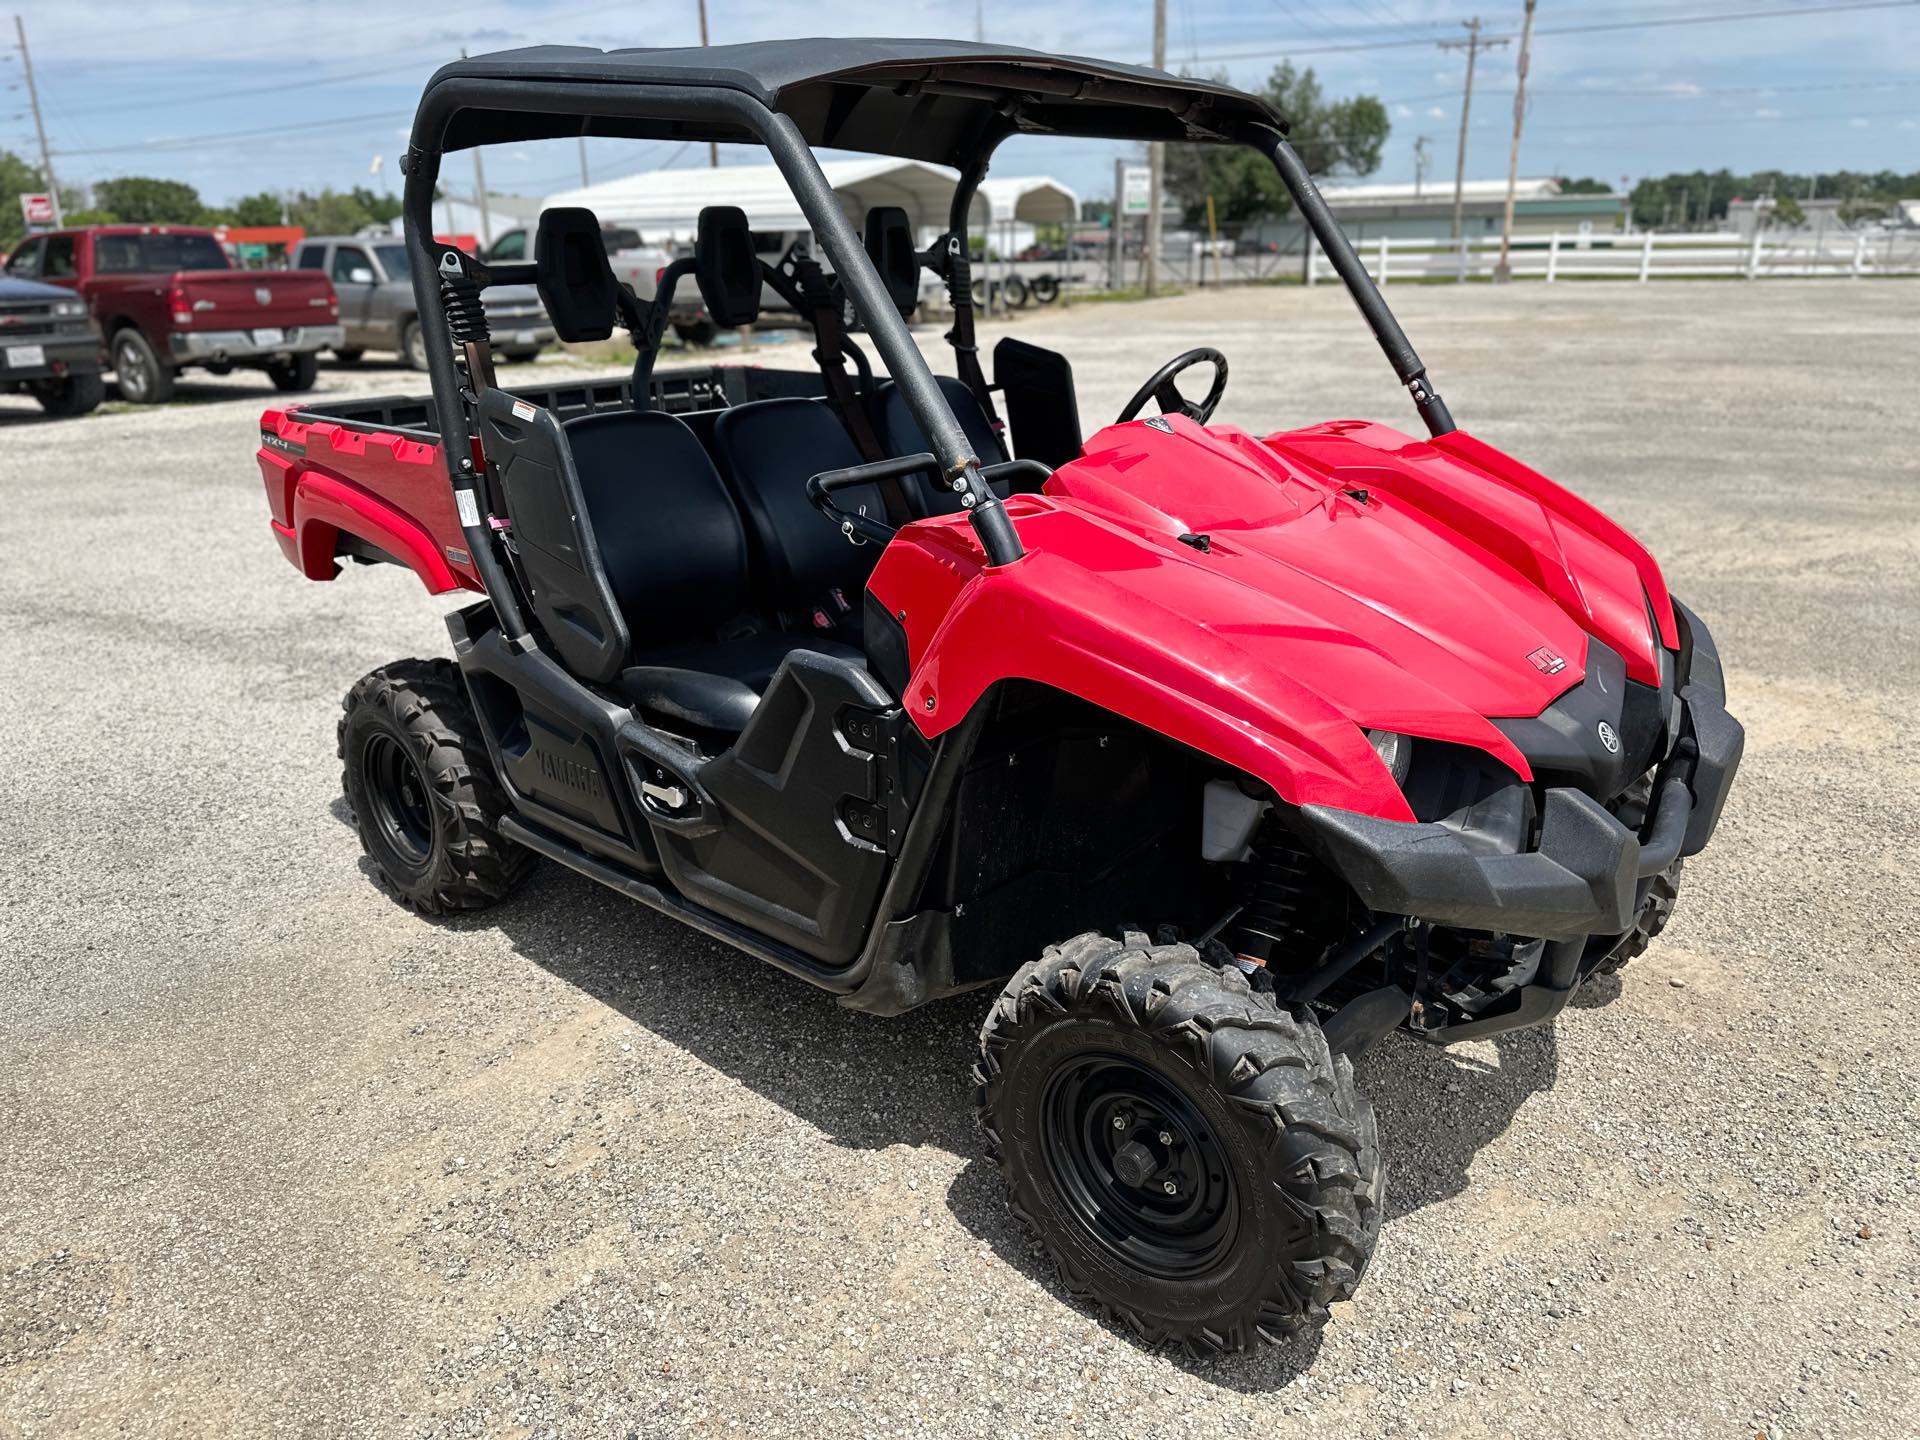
(70, 307)
(1395, 752)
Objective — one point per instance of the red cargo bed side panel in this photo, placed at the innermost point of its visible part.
(389, 490)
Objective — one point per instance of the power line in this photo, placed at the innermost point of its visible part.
(187, 142)
(1652, 22)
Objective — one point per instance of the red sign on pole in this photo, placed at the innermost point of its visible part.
(37, 210)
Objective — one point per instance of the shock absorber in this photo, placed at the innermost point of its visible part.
(467, 320)
(1280, 884)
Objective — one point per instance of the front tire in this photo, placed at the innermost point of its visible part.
(70, 395)
(413, 345)
(143, 377)
(1655, 911)
(422, 790)
(1193, 1158)
(296, 372)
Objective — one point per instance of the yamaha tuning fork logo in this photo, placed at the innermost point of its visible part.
(1609, 737)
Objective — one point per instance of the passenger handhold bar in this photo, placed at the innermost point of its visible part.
(856, 527)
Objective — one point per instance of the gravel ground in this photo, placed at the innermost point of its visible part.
(279, 1157)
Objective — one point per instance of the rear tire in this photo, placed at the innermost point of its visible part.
(1016, 291)
(143, 377)
(1046, 288)
(297, 372)
(422, 789)
(71, 395)
(1111, 1070)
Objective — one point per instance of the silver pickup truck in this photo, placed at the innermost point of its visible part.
(372, 279)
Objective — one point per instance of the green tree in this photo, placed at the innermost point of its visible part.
(17, 178)
(1586, 185)
(1332, 137)
(261, 209)
(144, 200)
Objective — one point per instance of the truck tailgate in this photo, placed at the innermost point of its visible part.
(253, 299)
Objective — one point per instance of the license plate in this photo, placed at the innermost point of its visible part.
(24, 357)
(269, 337)
(523, 337)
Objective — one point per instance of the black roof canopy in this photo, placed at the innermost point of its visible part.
(937, 100)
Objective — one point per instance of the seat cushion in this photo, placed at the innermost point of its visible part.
(716, 685)
(768, 450)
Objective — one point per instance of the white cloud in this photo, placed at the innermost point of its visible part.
(1402, 112)
(1434, 112)
(1856, 123)
(1678, 87)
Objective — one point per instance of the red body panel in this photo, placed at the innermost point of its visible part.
(1315, 612)
(388, 489)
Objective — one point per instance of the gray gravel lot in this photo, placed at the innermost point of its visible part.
(278, 1157)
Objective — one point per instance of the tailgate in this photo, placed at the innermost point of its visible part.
(251, 299)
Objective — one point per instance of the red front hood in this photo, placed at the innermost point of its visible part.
(1352, 577)
(1356, 574)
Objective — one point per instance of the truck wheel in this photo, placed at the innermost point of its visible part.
(1046, 288)
(349, 357)
(696, 332)
(1193, 1158)
(1016, 291)
(520, 357)
(297, 372)
(71, 394)
(422, 789)
(144, 378)
(413, 345)
(1655, 911)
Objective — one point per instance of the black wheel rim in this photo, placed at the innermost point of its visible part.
(1107, 1119)
(397, 803)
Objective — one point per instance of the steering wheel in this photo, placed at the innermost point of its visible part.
(1160, 387)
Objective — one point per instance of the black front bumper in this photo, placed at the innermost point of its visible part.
(1583, 877)
(61, 356)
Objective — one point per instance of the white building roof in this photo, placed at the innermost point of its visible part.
(1544, 188)
(1030, 200)
(665, 205)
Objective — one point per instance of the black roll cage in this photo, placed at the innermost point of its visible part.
(721, 112)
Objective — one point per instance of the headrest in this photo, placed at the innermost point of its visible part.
(890, 247)
(575, 281)
(725, 266)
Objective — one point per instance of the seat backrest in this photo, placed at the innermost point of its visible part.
(1043, 412)
(769, 449)
(889, 240)
(669, 536)
(902, 435)
(726, 267)
(573, 275)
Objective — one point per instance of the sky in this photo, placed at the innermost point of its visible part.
(239, 96)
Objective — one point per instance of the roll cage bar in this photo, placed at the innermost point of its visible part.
(701, 111)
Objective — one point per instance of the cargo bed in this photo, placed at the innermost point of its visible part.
(363, 478)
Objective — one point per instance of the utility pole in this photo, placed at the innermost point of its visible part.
(1115, 251)
(713, 146)
(1473, 45)
(480, 190)
(584, 181)
(1419, 164)
(39, 126)
(1156, 159)
(1501, 272)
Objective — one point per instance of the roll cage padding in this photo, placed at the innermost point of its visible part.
(725, 267)
(573, 275)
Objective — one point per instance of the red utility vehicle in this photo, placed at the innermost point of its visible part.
(166, 298)
(1236, 752)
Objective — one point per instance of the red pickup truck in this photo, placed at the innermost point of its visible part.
(166, 297)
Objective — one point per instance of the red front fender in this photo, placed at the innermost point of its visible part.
(1072, 615)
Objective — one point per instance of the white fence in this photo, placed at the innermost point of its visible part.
(1635, 257)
